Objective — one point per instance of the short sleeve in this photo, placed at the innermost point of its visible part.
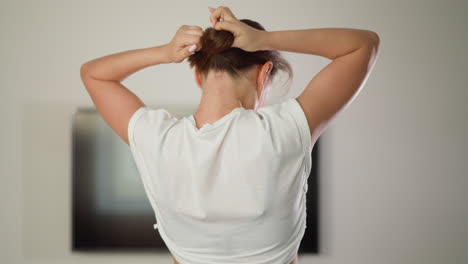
(289, 113)
(133, 121)
(147, 125)
(300, 118)
(146, 128)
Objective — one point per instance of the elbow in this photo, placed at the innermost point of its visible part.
(373, 48)
(372, 42)
(374, 38)
(84, 70)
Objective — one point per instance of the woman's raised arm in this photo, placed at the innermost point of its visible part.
(353, 53)
(102, 77)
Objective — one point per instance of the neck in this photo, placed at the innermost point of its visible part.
(221, 94)
(220, 98)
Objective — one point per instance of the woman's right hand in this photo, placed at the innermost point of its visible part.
(245, 36)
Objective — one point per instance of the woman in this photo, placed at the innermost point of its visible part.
(228, 183)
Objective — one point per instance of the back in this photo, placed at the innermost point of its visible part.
(231, 192)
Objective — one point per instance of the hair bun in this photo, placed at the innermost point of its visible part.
(218, 54)
(216, 41)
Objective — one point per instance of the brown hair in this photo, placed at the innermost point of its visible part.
(217, 54)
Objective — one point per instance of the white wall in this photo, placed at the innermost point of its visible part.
(394, 167)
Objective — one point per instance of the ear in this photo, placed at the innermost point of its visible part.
(263, 75)
(198, 78)
(263, 79)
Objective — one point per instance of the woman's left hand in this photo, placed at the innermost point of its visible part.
(185, 37)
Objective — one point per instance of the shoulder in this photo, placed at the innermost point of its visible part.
(152, 115)
(289, 116)
(149, 122)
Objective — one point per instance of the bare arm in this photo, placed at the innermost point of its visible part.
(353, 53)
(102, 77)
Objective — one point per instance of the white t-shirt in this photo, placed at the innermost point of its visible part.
(233, 191)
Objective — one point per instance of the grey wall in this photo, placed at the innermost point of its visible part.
(394, 168)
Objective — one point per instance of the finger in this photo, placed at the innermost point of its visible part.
(193, 28)
(227, 13)
(216, 15)
(212, 18)
(197, 44)
(195, 32)
(199, 31)
(221, 13)
(225, 25)
(196, 41)
(192, 48)
(190, 39)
